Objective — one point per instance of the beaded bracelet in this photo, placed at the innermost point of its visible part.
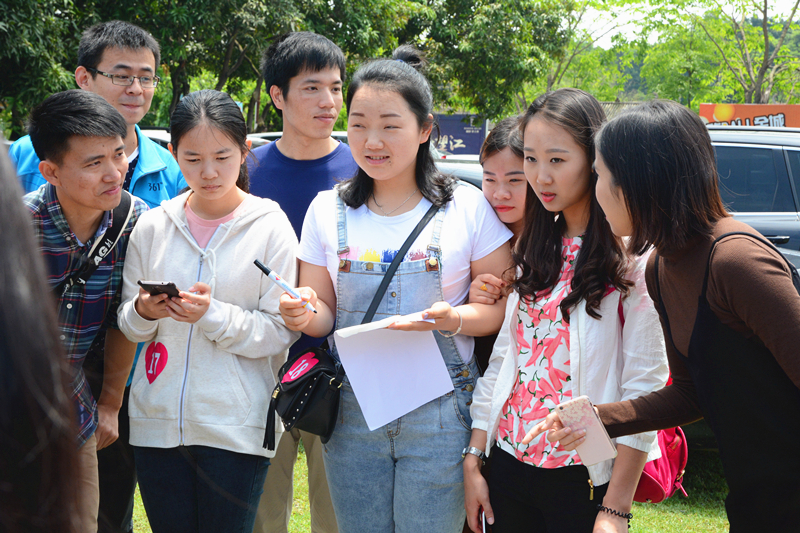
(601, 507)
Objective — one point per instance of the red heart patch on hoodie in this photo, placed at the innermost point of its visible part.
(155, 359)
(300, 367)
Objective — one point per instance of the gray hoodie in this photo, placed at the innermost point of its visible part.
(209, 383)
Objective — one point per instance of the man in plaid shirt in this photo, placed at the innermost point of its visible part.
(79, 138)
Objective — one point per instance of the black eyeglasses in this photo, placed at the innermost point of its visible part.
(126, 80)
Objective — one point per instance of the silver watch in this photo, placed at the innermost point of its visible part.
(474, 451)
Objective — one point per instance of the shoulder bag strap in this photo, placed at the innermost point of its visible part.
(102, 245)
(396, 263)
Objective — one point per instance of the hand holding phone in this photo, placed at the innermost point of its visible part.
(153, 305)
(579, 413)
(154, 288)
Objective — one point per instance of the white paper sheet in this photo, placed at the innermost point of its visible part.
(392, 372)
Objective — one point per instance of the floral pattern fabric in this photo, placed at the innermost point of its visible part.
(543, 379)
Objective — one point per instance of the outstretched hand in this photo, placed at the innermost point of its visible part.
(445, 316)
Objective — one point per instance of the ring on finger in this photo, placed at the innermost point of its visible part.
(483, 287)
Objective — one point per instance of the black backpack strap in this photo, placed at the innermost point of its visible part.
(396, 263)
(102, 245)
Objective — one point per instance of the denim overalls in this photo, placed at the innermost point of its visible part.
(406, 476)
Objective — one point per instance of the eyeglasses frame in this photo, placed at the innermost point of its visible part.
(156, 78)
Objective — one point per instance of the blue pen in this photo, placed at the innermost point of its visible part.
(281, 283)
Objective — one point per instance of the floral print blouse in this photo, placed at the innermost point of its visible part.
(543, 379)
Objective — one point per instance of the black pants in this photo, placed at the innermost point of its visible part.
(530, 499)
(116, 469)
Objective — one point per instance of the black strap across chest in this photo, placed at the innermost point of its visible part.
(398, 258)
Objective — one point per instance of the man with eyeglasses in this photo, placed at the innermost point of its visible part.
(117, 61)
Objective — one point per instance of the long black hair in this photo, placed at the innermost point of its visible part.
(660, 155)
(400, 75)
(601, 261)
(218, 110)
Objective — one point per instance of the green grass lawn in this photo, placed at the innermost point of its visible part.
(702, 512)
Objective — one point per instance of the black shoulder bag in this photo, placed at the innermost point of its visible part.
(307, 394)
(102, 246)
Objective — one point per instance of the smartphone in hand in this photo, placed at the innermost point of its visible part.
(579, 413)
(160, 287)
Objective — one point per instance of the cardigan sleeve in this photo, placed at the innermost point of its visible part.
(644, 360)
(671, 406)
(751, 282)
(481, 407)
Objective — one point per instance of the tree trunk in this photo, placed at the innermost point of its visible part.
(254, 105)
(180, 85)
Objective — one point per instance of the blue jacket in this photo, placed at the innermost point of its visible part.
(156, 178)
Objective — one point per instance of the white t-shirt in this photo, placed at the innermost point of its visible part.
(470, 231)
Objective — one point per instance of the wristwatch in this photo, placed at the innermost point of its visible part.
(474, 451)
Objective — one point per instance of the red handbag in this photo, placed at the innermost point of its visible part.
(662, 477)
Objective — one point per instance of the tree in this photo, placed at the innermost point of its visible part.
(756, 61)
(482, 52)
(37, 41)
(579, 39)
(684, 66)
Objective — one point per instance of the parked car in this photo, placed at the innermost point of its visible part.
(759, 176)
(157, 134)
(469, 172)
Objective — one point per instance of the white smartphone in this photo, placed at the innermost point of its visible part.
(579, 413)
(483, 520)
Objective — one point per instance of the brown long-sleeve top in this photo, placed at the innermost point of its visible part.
(749, 289)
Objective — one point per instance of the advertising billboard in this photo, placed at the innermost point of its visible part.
(773, 115)
(459, 134)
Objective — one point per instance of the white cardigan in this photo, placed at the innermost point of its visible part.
(604, 365)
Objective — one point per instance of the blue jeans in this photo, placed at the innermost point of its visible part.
(198, 489)
(406, 476)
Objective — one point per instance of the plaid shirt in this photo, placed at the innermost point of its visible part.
(83, 310)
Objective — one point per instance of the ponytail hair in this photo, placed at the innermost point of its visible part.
(401, 75)
(218, 110)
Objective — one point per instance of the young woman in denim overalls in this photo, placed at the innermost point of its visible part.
(407, 475)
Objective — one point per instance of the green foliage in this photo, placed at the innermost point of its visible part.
(683, 66)
(483, 52)
(36, 39)
(743, 37)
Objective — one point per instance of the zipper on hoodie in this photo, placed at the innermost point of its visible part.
(186, 366)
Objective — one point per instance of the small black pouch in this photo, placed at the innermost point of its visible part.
(307, 395)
